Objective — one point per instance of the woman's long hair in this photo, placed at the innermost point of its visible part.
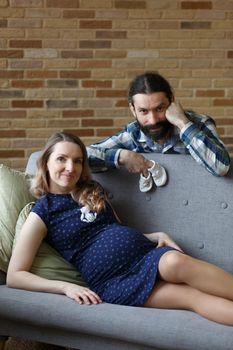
(87, 192)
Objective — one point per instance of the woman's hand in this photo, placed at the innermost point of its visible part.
(81, 294)
(162, 239)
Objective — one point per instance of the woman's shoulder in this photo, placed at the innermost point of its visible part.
(41, 202)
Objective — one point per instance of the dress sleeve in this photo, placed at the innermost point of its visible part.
(41, 209)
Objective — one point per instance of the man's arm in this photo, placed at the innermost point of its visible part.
(205, 146)
(115, 150)
(200, 137)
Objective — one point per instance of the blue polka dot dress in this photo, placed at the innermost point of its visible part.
(117, 262)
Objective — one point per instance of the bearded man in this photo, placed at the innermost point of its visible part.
(161, 125)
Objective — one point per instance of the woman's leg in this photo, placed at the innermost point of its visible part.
(176, 267)
(180, 296)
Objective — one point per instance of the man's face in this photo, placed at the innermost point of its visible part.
(150, 112)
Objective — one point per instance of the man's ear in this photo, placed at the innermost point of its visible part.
(131, 107)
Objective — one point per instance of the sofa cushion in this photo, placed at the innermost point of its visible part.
(14, 194)
(48, 263)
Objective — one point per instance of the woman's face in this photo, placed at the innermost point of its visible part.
(65, 166)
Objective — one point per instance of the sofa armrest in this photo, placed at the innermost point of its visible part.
(31, 164)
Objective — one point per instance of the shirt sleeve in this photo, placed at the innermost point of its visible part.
(41, 209)
(204, 145)
(106, 152)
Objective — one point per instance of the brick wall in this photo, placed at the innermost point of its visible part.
(66, 65)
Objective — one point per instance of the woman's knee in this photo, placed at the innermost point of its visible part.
(172, 265)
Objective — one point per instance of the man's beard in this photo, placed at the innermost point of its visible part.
(159, 131)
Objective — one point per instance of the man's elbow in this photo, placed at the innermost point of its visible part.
(222, 171)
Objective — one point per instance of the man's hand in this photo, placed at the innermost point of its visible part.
(134, 162)
(176, 116)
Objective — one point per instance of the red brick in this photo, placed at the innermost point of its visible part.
(95, 44)
(42, 74)
(97, 122)
(12, 133)
(11, 74)
(78, 113)
(11, 53)
(130, 4)
(221, 131)
(62, 3)
(111, 93)
(27, 104)
(95, 24)
(97, 83)
(75, 74)
(224, 121)
(26, 43)
(12, 154)
(196, 5)
(27, 83)
(110, 54)
(223, 102)
(122, 103)
(210, 93)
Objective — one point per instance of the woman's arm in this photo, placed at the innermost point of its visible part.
(19, 275)
(162, 239)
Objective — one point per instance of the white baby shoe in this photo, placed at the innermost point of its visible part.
(158, 173)
(87, 215)
(145, 183)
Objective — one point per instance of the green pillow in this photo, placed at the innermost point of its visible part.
(14, 194)
(15, 204)
(48, 263)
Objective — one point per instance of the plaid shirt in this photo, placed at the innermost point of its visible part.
(198, 138)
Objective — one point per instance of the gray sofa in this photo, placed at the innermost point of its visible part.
(196, 209)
